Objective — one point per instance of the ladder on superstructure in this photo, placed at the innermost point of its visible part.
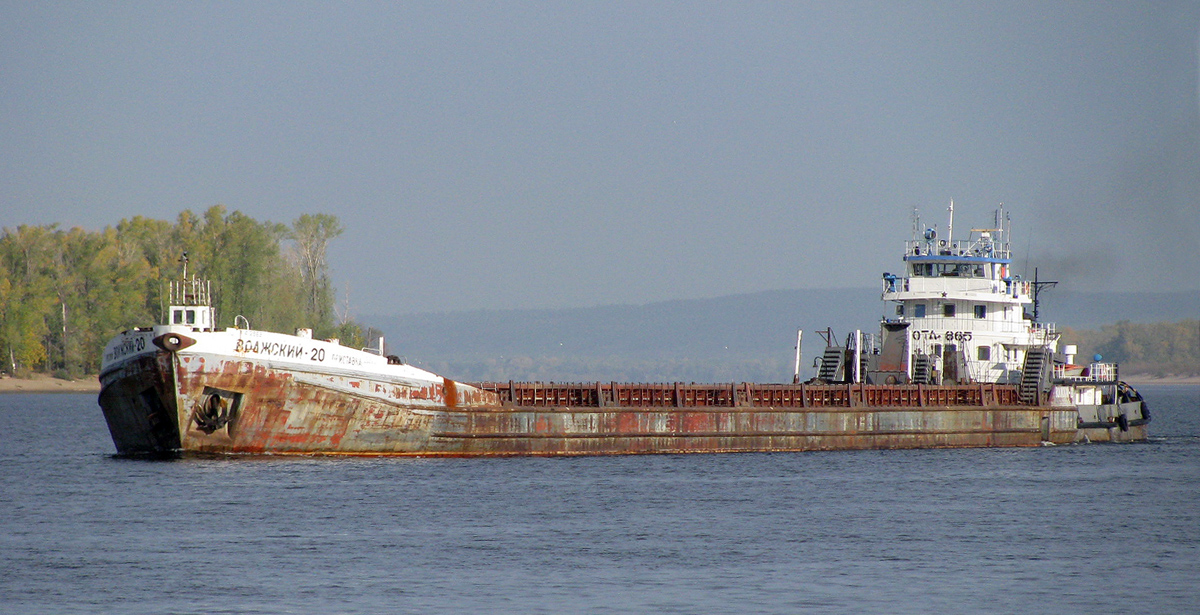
(922, 369)
(1035, 374)
(832, 364)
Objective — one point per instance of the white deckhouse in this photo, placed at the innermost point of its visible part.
(964, 306)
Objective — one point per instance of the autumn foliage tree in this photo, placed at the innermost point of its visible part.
(1159, 349)
(311, 235)
(64, 293)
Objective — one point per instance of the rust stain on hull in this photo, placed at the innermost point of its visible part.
(166, 404)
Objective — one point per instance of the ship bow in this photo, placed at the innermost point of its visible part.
(138, 401)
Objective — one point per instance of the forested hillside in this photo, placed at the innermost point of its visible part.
(64, 293)
(749, 336)
(1158, 349)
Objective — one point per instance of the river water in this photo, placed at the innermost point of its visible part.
(1068, 529)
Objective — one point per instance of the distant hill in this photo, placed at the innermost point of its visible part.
(747, 337)
(1091, 310)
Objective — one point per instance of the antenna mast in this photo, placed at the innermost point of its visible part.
(950, 227)
(1037, 289)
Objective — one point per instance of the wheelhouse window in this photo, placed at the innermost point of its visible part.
(191, 317)
(981, 311)
(984, 353)
(947, 270)
(900, 310)
(919, 310)
(922, 270)
(177, 317)
(948, 310)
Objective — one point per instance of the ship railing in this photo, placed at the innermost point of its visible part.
(1044, 328)
(955, 285)
(194, 292)
(1094, 372)
(979, 247)
(727, 395)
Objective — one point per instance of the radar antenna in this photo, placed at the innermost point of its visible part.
(1038, 287)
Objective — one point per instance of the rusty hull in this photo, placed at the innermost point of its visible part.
(172, 403)
(138, 400)
(1112, 433)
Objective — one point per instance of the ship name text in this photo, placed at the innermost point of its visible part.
(279, 349)
(129, 345)
(949, 336)
(344, 359)
(293, 351)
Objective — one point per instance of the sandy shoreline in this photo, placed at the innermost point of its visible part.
(1143, 379)
(41, 383)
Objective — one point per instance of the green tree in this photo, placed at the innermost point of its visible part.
(139, 241)
(111, 296)
(27, 254)
(63, 294)
(311, 235)
(1154, 348)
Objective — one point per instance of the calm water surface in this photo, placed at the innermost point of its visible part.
(1069, 529)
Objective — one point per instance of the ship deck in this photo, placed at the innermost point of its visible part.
(746, 394)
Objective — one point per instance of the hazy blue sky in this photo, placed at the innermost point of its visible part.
(513, 154)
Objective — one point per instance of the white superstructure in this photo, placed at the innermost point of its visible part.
(965, 307)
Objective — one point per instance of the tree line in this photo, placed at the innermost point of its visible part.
(65, 292)
(1159, 349)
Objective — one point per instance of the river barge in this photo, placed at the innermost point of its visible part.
(960, 365)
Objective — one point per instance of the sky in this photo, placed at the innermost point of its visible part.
(506, 155)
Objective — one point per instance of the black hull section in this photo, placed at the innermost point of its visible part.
(138, 400)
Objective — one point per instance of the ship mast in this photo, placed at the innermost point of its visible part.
(1037, 290)
(950, 227)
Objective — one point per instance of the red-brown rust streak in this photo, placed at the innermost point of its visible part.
(740, 410)
(588, 453)
(658, 395)
(740, 434)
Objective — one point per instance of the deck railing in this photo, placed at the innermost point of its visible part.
(681, 395)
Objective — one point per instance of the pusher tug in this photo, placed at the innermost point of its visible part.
(960, 365)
